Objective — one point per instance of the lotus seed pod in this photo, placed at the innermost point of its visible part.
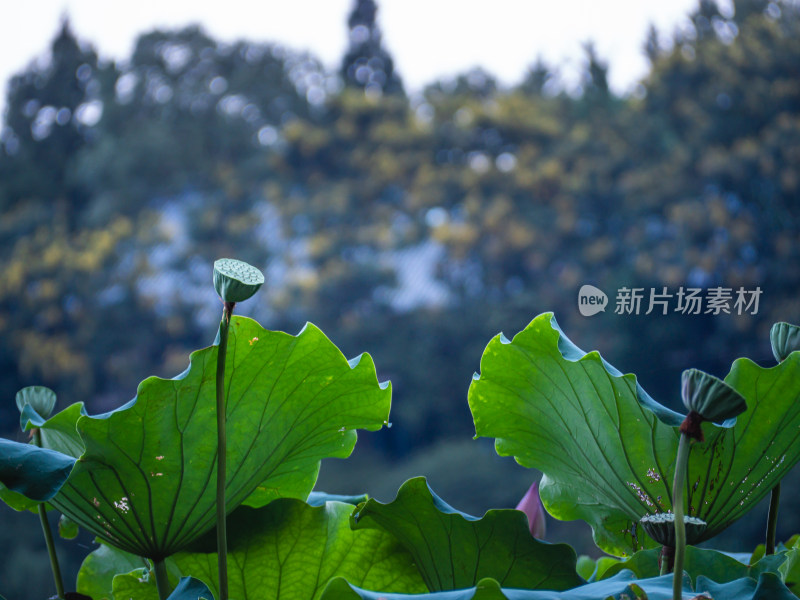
(785, 339)
(661, 527)
(41, 399)
(710, 397)
(236, 281)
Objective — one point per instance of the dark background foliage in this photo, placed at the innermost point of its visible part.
(411, 227)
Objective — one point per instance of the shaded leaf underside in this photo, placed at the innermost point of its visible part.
(454, 551)
(287, 550)
(145, 480)
(30, 475)
(290, 550)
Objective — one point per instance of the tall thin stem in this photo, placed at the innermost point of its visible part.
(51, 550)
(677, 508)
(772, 518)
(48, 534)
(667, 558)
(222, 535)
(162, 580)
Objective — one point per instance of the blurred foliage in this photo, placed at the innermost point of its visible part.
(367, 65)
(412, 227)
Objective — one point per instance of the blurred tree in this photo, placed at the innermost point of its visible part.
(744, 9)
(704, 19)
(189, 109)
(367, 65)
(477, 83)
(537, 78)
(652, 45)
(52, 110)
(595, 77)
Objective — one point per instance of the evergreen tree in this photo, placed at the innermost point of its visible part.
(51, 108)
(367, 64)
(652, 45)
(595, 78)
(539, 75)
(189, 107)
(704, 17)
(596, 70)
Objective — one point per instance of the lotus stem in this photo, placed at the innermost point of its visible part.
(51, 550)
(784, 339)
(48, 534)
(162, 580)
(222, 535)
(772, 519)
(681, 462)
(667, 558)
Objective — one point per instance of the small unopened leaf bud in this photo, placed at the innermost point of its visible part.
(41, 399)
(785, 339)
(710, 397)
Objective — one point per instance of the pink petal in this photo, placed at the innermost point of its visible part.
(531, 505)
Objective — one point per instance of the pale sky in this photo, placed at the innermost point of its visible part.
(428, 39)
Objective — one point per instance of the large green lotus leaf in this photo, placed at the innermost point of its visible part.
(620, 587)
(607, 449)
(735, 468)
(30, 475)
(144, 481)
(454, 550)
(290, 550)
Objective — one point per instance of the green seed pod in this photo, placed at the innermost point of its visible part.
(661, 527)
(41, 399)
(710, 397)
(785, 339)
(235, 280)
